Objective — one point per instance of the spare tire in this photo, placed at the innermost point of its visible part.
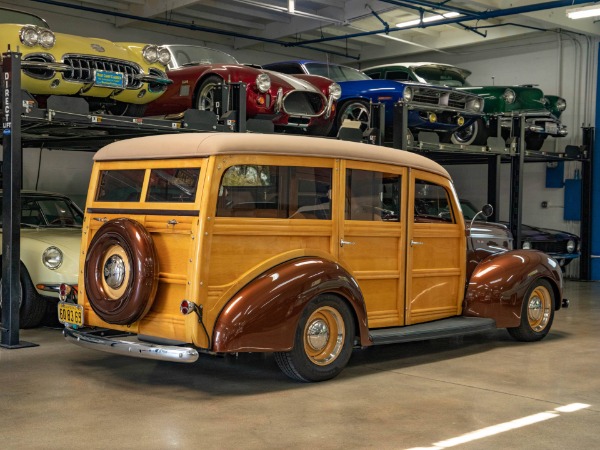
(121, 272)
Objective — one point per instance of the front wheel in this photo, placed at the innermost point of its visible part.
(535, 141)
(323, 341)
(206, 99)
(32, 308)
(357, 110)
(537, 313)
(473, 134)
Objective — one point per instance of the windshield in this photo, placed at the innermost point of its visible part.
(20, 17)
(49, 212)
(335, 72)
(469, 211)
(447, 76)
(190, 54)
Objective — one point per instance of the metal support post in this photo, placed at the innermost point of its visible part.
(11, 205)
(400, 125)
(375, 132)
(517, 163)
(586, 204)
(234, 111)
(493, 195)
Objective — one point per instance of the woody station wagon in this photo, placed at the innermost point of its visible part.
(305, 247)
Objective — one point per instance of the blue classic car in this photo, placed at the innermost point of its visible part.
(431, 108)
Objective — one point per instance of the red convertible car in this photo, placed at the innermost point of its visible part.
(304, 103)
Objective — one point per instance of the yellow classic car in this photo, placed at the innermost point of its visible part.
(114, 77)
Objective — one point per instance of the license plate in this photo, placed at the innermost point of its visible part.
(70, 314)
(551, 128)
(105, 78)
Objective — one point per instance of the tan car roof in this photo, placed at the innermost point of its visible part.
(194, 145)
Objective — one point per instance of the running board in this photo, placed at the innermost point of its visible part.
(454, 326)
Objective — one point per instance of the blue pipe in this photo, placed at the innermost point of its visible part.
(473, 16)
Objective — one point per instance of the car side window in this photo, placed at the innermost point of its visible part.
(397, 75)
(285, 192)
(120, 185)
(432, 203)
(375, 75)
(372, 196)
(173, 185)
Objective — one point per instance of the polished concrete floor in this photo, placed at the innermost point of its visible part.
(479, 392)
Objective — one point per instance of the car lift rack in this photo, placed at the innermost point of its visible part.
(66, 123)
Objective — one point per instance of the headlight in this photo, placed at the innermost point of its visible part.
(509, 96)
(561, 104)
(477, 105)
(150, 53)
(526, 245)
(164, 56)
(407, 94)
(29, 35)
(335, 91)
(571, 246)
(46, 38)
(52, 258)
(263, 82)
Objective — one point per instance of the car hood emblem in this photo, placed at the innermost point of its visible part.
(97, 47)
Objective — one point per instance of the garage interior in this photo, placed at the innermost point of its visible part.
(478, 391)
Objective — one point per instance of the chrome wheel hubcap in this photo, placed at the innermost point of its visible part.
(114, 271)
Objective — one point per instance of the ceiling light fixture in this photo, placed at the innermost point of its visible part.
(435, 18)
(583, 12)
(291, 6)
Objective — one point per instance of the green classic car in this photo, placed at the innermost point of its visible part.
(114, 77)
(542, 112)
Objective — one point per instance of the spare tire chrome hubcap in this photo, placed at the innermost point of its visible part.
(114, 271)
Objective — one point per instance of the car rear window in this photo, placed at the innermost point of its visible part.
(120, 185)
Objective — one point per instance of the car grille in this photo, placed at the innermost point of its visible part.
(82, 69)
(457, 100)
(550, 247)
(427, 95)
(299, 103)
(42, 74)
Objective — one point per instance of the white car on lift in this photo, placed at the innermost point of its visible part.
(50, 241)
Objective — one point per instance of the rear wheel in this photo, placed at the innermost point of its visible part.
(537, 313)
(323, 341)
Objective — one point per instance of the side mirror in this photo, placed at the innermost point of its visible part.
(487, 210)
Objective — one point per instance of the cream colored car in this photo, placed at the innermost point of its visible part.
(50, 242)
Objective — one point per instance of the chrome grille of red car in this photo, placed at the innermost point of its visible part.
(83, 66)
(300, 103)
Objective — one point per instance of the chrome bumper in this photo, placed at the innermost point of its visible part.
(135, 349)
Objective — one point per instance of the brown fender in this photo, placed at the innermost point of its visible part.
(130, 241)
(499, 283)
(263, 316)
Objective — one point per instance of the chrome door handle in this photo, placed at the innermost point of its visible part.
(413, 243)
(343, 242)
